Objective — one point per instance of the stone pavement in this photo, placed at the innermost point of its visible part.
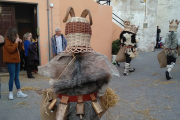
(144, 95)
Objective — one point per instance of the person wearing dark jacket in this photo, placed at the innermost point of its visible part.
(29, 59)
(58, 42)
(158, 36)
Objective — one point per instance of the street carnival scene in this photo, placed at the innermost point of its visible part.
(89, 60)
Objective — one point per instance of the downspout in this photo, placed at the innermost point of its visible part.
(48, 29)
(52, 20)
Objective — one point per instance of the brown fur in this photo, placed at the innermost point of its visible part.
(86, 75)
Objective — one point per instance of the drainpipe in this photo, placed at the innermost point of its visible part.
(48, 30)
(51, 5)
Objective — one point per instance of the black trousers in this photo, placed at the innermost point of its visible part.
(128, 59)
(157, 42)
(170, 59)
(29, 68)
(22, 63)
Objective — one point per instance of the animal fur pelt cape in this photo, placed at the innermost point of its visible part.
(88, 74)
(171, 42)
(123, 38)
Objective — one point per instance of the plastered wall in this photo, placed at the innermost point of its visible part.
(137, 13)
(167, 10)
(101, 29)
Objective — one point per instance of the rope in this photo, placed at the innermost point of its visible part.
(47, 97)
(72, 61)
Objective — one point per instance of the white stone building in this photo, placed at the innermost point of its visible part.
(153, 12)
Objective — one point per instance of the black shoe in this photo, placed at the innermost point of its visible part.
(132, 70)
(125, 74)
(168, 77)
(31, 77)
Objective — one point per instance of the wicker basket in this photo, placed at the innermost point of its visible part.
(78, 35)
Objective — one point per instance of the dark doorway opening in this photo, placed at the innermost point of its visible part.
(18, 15)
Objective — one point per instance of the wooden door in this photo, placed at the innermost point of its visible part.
(7, 19)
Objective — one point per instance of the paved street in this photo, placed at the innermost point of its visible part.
(144, 95)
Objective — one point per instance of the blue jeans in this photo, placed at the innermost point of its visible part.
(13, 69)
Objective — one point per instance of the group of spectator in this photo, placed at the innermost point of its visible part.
(19, 54)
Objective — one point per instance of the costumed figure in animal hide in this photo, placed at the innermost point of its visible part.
(171, 47)
(128, 41)
(79, 75)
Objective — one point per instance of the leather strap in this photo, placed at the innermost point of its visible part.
(78, 98)
(64, 99)
(93, 98)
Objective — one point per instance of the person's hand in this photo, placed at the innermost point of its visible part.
(54, 55)
(36, 40)
(20, 40)
(17, 40)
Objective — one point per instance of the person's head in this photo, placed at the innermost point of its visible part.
(12, 34)
(26, 36)
(157, 27)
(30, 34)
(2, 41)
(58, 31)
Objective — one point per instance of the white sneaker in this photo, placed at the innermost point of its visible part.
(10, 95)
(20, 94)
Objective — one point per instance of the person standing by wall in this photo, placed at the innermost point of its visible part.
(32, 41)
(58, 42)
(11, 56)
(30, 64)
(158, 36)
(22, 56)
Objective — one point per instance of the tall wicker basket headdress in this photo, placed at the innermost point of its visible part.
(78, 31)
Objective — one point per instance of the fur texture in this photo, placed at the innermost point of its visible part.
(88, 74)
(128, 39)
(88, 115)
(123, 38)
(171, 40)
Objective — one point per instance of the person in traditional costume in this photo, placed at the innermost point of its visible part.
(171, 45)
(79, 75)
(128, 40)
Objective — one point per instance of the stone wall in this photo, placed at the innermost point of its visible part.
(138, 12)
(167, 10)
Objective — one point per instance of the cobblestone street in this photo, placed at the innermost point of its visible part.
(144, 94)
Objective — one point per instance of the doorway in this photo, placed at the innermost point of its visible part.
(21, 16)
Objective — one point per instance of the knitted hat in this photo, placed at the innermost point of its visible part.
(173, 25)
(134, 29)
(78, 32)
(127, 26)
